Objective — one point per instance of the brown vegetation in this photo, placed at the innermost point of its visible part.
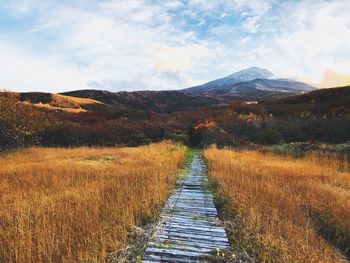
(19, 124)
(93, 117)
(76, 205)
(284, 209)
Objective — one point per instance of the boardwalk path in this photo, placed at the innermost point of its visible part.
(188, 229)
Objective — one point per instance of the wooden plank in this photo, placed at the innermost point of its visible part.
(190, 217)
(211, 231)
(182, 205)
(193, 237)
(186, 245)
(190, 212)
(193, 231)
(186, 242)
(174, 252)
(182, 247)
(216, 244)
(167, 259)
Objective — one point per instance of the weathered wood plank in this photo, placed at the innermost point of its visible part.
(175, 252)
(192, 231)
(192, 227)
(163, 259)
(216, 244)
(182, 242)
(194, 237)
(183, 245)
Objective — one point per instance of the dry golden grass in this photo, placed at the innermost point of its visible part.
(76, 205)
(66, 103)
(58, 98)
(284, 207)
(54, 108)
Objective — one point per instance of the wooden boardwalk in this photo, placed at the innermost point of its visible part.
(188, 230)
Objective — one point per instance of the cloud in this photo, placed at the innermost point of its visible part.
(331, 78)
(313, 34)
(19, 8)
(116, 48)
(116, 42)
(251, 24)
(179, 59)
(23, 71)
(169, 59)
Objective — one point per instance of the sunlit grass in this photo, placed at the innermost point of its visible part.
(66, 103)
(284, 209)
(76, 205)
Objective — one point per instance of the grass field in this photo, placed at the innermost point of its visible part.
(77, 205)
(283, 209)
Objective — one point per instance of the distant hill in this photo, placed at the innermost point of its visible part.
(251, 84)
(158, 101)
(323, 102)
(332, 102)
(99, 100)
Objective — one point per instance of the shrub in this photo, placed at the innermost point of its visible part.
(268, 137)
(20, 124)
(178, 137)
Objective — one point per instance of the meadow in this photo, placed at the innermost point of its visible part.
(283, 208)
(79, 204)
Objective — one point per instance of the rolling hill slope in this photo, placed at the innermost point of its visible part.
(158, 101)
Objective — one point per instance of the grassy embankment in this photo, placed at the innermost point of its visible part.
(77, 205)
(284, 209)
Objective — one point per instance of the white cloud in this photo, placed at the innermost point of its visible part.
(254, 7)
(316, 33)
(251, 24)
(21, 71)
(19, 8)
(179, 59)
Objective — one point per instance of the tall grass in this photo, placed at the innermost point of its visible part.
(284, 209)
(300, 149)
(76, 205)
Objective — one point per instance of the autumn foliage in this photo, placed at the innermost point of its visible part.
(19, 123)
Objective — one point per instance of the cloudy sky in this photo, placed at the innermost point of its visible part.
(60, 45)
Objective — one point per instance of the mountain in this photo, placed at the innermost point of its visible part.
(250, 74)
(262, 89)
(250, 84)
(283, 85)
(240, 76)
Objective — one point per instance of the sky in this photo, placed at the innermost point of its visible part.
(62, 45)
